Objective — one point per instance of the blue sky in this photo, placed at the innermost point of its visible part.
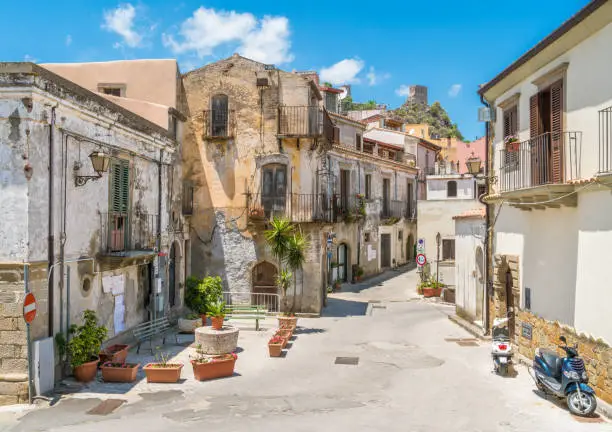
(448, 45)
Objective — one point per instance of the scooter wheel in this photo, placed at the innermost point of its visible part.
(503, 369)
(583, 405)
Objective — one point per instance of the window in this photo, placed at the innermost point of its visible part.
(358, 142)
(112, 89)
(274, 189)
(368, 186)
(173, 126)
(331, 102)
(366, 237)
(400, 235)
(482, 190)
(345, 187)
(120, 186)
(511, 129)
(451, 189)
(219, 116)
(448, 249)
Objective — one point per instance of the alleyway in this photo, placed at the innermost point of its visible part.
(409, 377)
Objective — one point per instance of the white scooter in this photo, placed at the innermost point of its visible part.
(501, 349)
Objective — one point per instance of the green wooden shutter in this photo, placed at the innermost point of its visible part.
(120, 186)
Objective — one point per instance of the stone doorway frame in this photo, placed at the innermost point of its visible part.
(503, 264)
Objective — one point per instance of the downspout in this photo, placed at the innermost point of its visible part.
(159, 222)
(50, 238)
(488, 244)
(62, 256)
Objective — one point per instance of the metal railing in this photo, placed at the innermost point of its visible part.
(271, 301)
(219, 123)
(295, 207)
(605, 140)
(393, 209)
(550, 158)
(127, 231)
(300, 121)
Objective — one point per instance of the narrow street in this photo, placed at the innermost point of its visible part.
(411, 375)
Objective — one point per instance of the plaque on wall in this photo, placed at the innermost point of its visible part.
(526, 330)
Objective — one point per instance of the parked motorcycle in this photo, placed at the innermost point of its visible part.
(565, 378)
(501, 349)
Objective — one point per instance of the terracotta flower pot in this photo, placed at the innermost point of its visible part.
(275, 349)
(213, 369)
(217, 322)
(171, 373)
(114, 353)
(203, 317)
(87, 371)
(287, 322)
(120, 373)
(432, 292)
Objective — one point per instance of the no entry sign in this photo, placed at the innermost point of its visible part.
(421, 260)
(29, 308)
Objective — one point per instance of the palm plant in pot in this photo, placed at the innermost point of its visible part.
(84, 346)
(217, 313)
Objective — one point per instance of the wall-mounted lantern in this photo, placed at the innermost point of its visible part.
(100, 162)
(473, 164)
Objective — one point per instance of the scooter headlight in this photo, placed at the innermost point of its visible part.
(573, 375)
(585, 376)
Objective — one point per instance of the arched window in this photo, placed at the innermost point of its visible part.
(219, 116)
(451, 189)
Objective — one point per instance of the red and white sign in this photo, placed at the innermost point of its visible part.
(29, 308)
(421, 260)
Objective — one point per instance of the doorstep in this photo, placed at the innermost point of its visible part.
(470, 327)
(603, 408)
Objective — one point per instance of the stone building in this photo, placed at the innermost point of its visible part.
(90, 214)
(550, 153)
(417, 94)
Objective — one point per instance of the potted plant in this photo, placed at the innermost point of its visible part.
(217, 313)
(210, 367)
(257, 213)
(275, 346)
(282, 337)
(512, 143)
(119, 371)
(337, 285)
(115, 353)
(358, 273)
(161, 371)
(202, 292)
(431, 287)
(84, 346)
(188, 324)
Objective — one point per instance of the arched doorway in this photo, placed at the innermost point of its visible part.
(410, 248)
(342, 262)
(263, 284)
(510, 303)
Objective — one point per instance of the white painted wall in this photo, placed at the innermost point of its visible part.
(437, 187)
(469, 274)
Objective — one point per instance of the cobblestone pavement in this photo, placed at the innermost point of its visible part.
(411, 375)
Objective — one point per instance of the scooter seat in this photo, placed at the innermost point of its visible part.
(553, 361)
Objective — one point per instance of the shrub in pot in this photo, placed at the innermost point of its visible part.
(119, 372)
(211, 367)
(217, 313)
(162, 371)
(275, 346)
(84, 346)
(431, 287)
(200, 293)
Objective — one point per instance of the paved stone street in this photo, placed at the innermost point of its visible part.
(409, 378)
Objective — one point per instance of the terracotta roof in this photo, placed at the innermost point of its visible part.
(330, 89)
(474, 213)
(371, 118)
(549, 40)
(384, 144)
(347, 119)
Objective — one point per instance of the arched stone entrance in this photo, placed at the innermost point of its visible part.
(506, 289)
(263, 283)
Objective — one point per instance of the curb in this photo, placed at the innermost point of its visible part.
(469, 327)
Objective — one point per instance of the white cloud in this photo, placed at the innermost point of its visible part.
(374, 78)
(403, 90)
(29, 58)
(68, 40)
(343, 72)
(265, 40)
(121, 21)
(454, 90)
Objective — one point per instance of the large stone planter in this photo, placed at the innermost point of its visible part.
(188, 326)
(216, 342)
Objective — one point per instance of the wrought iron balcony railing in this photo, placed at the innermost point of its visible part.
(306, 122)
(393, 209)
(605, 140)
(219, 124)
(123, 232)
(550, 158)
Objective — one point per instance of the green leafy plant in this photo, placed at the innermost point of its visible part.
(60, 341)
(192, 316)
(359, 271)
(216, 309)
(162, 359)
(283, 280)
(202, 292)
(86, 339)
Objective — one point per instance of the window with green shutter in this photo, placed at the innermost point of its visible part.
(120, 186)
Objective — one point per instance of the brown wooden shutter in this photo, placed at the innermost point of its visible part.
(336, 137)
(506, 123)
(534, 131)
(556, 122)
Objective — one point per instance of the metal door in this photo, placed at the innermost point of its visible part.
(385, 250)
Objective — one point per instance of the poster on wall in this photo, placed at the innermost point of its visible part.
(113, 284)
(119, 314)
(371, 253)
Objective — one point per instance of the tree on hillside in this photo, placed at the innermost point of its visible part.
(434, 115)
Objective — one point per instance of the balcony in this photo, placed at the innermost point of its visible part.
(537, 173)
(605, 145)
(219, 124)
(127, 234)
(393, 209)
(306, 122)
(295, 207)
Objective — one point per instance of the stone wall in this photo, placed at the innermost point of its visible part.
(597, 354)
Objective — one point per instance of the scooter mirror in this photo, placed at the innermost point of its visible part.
(563, 339)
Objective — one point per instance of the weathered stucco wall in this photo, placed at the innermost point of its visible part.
(469, 268)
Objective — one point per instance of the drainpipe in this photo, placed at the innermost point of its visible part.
(488, 244)
(50, 238)
(64, 160)
(159, 221)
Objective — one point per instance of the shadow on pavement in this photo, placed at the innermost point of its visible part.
(337, 307)
(376, 280)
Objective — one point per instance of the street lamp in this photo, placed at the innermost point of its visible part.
(99, 161)
(473, 164)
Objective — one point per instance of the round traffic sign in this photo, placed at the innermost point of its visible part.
(29, 308)
(421, 260)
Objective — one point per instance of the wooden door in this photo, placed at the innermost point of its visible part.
(385, 250)
(386, 197)
(274, 190)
